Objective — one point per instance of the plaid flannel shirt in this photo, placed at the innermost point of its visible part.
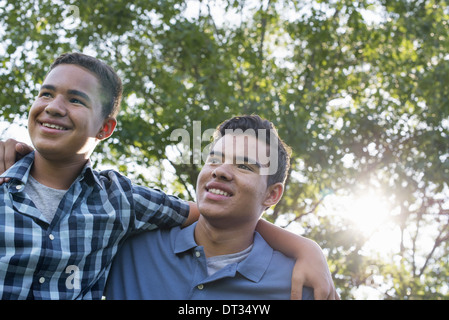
(70, 257)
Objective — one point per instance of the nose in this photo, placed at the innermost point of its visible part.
(223, 172)
(56, 107)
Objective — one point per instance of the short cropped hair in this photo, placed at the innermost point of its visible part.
(256, 123)
(110, 82)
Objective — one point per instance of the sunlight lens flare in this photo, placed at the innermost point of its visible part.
(370, 214)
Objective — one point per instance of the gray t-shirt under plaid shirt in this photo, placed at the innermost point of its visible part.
(45, 198)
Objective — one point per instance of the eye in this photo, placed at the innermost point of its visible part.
(45, 94)
(213, 160)
(77, 101)
(245, 167)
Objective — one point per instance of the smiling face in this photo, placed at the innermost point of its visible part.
(65, 121)
(230, 188)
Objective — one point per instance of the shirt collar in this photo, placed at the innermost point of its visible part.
(185, 240)
(90, 175)
(252, 268)
(256, 264)
(21, 169)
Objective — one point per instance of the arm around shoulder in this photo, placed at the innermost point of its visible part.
(194, 214)
(311, 267)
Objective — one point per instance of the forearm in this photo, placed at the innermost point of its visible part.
(194, 214)
(287, 242)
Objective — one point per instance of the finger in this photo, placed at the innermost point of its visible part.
(2, 162)
(9, 156)
(320, 294)
(2, 157)
(329, 295)
(298, 282)
(23, 149)
(296, 292)
(336, 296)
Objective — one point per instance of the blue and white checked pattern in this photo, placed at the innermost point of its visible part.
(71, 257)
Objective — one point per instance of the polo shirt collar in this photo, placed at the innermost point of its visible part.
(256, 264)
(252, 268)
(185, 239)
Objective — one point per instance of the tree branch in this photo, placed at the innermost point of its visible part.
(439, 240)
(183, 182)
(263, 29)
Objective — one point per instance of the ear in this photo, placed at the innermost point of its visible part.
(107, 128)
(274, 194)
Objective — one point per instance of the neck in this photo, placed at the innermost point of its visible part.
(56, 174)
(220, 241)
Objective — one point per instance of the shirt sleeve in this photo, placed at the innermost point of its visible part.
(155, 209)
(147, 208)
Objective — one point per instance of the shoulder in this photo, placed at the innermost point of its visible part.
(150, 241)
(269, 262)
(159, 239)
(280, 269)
(114, 181)
(111, 176)
(277, 257)
(280, 260)
(140, 250)
(111, 179)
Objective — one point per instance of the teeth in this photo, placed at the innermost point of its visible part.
(219, 192)
(53, 126)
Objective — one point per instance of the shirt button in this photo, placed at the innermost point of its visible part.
(19, 186)
(197, 254)
(200, 287)
(41, 280)
(52, 237)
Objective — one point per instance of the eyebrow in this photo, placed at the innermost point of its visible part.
(238, 159)
(71, 91)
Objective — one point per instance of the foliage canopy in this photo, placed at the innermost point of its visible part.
(359, 90)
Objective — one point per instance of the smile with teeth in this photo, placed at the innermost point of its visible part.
(219, 192)
(53, 126)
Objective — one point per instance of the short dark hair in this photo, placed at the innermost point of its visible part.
(110, 82)
(256, 123)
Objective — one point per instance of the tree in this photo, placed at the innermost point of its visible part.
(365, 81)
